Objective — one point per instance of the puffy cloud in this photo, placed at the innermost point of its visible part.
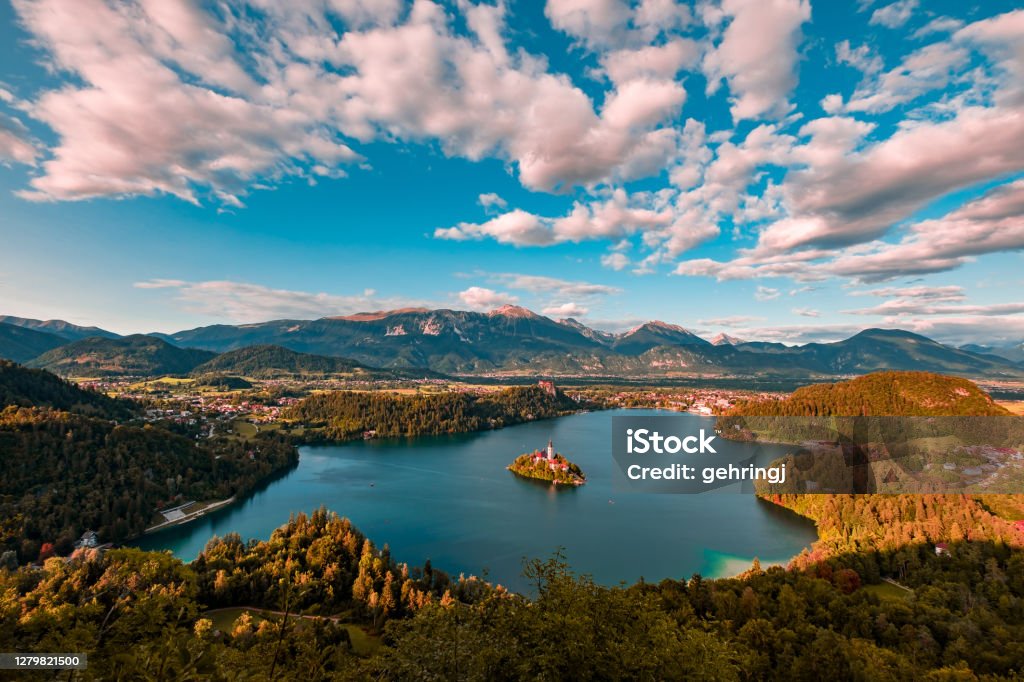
(615, 260)
(490, 200)
(540, 284)
(939, 25)
(925, 70)
(481, 298)
(565, 310)
(135, 125)
(603, 24)
(661, 62)
(617, 216)
(987, 225)
(918, 293)
(246, 302)
(758, 55)
(764, 293)
(163, 101)
(862, 195)
(861, 58)
(15, 143)
(515, 227)
(894, 15)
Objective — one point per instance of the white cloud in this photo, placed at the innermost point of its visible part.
(894, 15)
(615, 260)
(515, 227)
(490, 200)
(661, 62)
(920, 293)
(15, 143)
(758, 55)
(541, 284)
(764, 293)
(806, 312)
(731, 321)
(925, 70)
(163, 101)
(604, 24)
(481, 298)
(565, 310)
(617, 216)
(245, 302)
(939, 25)
(862, 58)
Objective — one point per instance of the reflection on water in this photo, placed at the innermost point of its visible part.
(450, 499)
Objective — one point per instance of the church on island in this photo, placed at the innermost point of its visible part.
(548, 455)
(548, 465)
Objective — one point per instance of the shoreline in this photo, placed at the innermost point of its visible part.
(191, 516)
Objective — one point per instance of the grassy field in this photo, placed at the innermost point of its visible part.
(887, 591)
(1015, 406)
(363, 643)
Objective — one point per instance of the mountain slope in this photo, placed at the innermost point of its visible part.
(65, 330)
(21, 343)
(443, 340)
(653, 334)
(24, 387)
(135, 355)
(269, 362)
(1014, 352)
(875, 349)
(513, 340)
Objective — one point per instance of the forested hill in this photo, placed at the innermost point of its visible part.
(268, 361)
(21, 344)
(24, 387)
(64, 474)
(864, 524)
(903, 394)
(272, 362)
(344, 414)
(136, 355)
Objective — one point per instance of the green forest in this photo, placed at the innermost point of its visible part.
(71, 464)
(66, 473)
(346, 414)
(144, 616)
(909, 394)
(871, 600)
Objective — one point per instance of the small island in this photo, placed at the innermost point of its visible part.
(547, 465)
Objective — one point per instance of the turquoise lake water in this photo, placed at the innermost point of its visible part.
(450, 499)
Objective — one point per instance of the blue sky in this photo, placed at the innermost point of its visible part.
(783, 169)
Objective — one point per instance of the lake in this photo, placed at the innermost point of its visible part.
(450, 499)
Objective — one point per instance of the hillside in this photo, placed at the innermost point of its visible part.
(23, 387)
(868, 523)
(881, 394)
(135, 355)
(65, 474)
(20, 343)
(271, 362)
(874, 349)
(652, 335)
(345, 414)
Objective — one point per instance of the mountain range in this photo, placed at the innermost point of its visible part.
(509, 340)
